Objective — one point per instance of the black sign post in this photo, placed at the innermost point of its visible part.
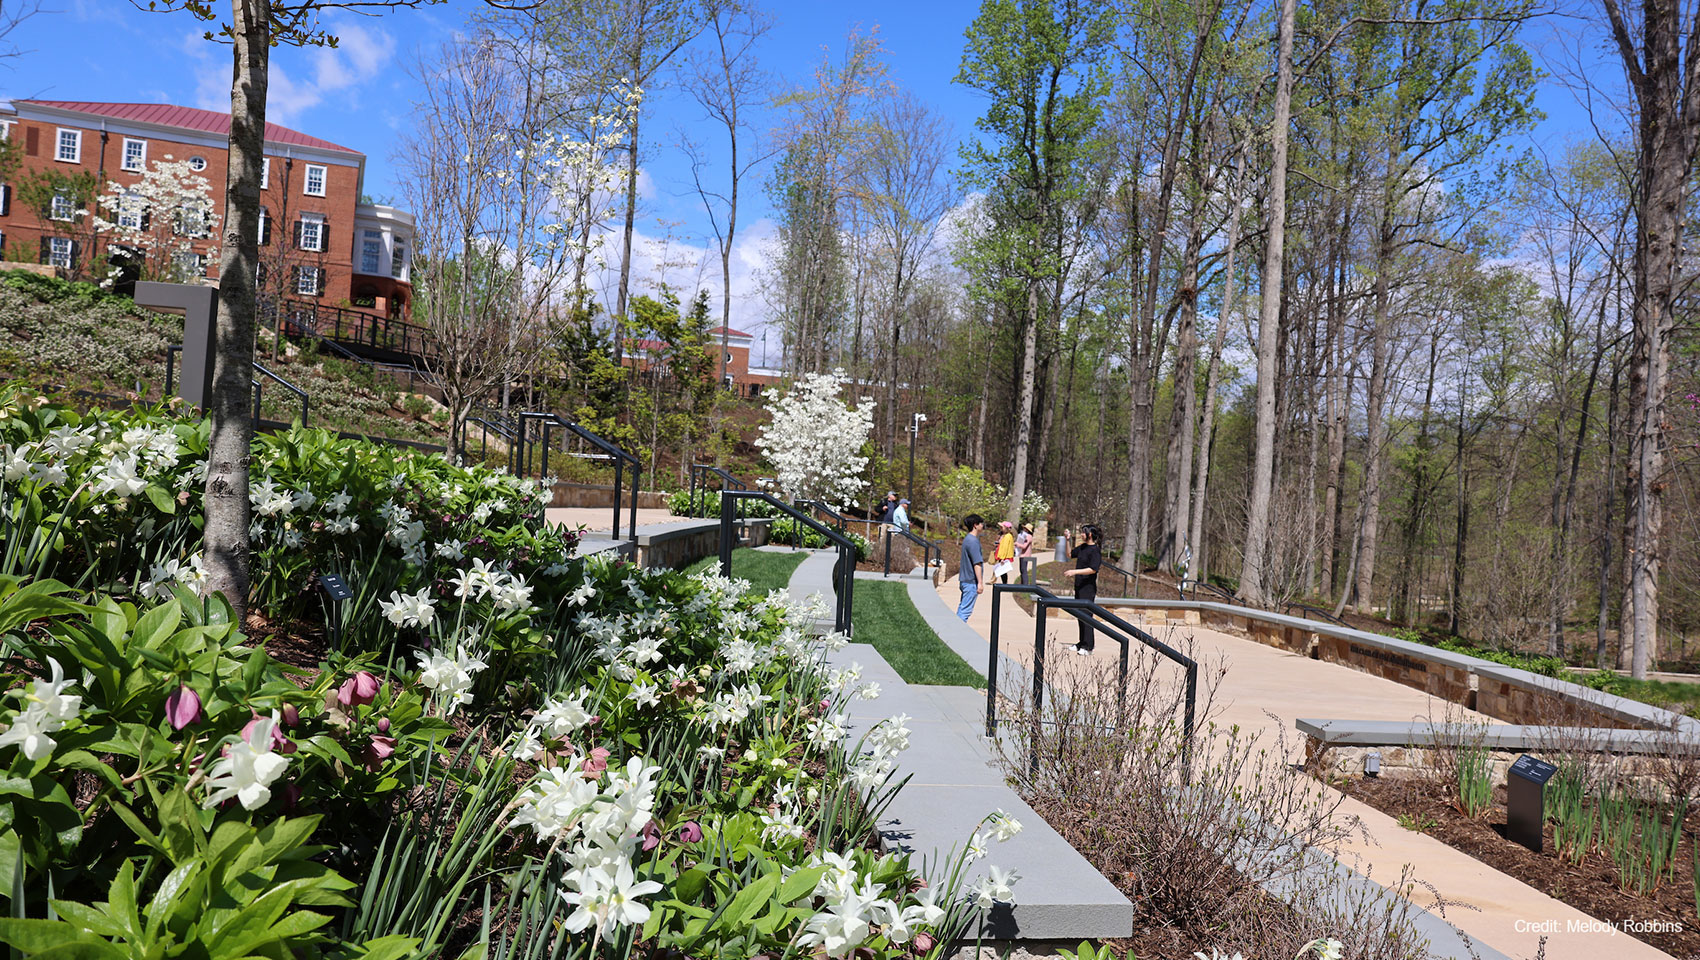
(336, 592)
(1525, 800)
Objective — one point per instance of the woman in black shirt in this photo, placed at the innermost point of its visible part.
(1088, 557)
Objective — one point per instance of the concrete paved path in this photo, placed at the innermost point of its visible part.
(596, 520)
(1265, 689)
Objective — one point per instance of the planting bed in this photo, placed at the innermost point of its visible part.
(1591, 887)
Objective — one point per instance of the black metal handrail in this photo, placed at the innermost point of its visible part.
(173, 350)
(830, 513)
(519, 456)
(928, 548)
(1100, 620)
(843, 572)
(1306, 610)
(285, 384)
(703, 471)
(1208, 587)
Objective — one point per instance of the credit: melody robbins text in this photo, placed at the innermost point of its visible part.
(1629, 925)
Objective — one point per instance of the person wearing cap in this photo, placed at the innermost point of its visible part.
(1024, 559)
(900, 515)
(886, 507)
(1003, 556)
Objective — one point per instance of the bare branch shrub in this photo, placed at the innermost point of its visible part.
(1223, 840)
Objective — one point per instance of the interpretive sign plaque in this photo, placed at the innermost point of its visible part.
(1525, 800)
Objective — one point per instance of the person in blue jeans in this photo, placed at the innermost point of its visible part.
(969, 574)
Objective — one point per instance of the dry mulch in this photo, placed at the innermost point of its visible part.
(1590, 887)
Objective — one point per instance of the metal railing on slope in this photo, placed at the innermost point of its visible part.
(843, 572)
(1099, 620)
(929, 549)
(1307, 611)
(519, 455)
(172, 351)
(1210, 588)
(700, 474)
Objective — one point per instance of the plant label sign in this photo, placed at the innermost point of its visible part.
(1525, 800)
(334, 587)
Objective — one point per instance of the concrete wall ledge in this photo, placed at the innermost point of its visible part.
(1376, 733)
(679, 543)
(1486, 675)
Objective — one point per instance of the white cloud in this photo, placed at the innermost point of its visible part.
(687, 267)
(360, 55)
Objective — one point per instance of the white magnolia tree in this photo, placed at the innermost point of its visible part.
(166, 218)
(815, 441)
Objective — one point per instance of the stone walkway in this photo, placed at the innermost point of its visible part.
(1495, 909)
(596, 520)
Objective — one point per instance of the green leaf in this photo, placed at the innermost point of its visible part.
(35, 937)
(161, 498)
(800, 883)
(747, 903)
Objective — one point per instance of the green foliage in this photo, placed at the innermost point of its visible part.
(789, 532)
(1475, 780)
(885, 617)
(764, 569)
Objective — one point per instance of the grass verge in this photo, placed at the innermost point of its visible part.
(885, 617)
(764, 569)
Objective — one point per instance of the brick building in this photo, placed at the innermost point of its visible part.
(747, 381)
(324, 254)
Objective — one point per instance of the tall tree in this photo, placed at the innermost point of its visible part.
(1663, 66)
(1037, 63)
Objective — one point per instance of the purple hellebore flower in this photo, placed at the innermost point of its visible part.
(377, 751)
(183, 708)
(383, 724)
(691, 832)
(362, 688)
(651, 835)
(291, 716)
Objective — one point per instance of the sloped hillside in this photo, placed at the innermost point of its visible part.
(67, 337)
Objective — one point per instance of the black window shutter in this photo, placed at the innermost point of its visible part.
(46, 245)
(297, 234)
(146, 219)
(76, 248)
(325, 236)
(294, 280)
(5, 200)
(260, 274)
(32, 143)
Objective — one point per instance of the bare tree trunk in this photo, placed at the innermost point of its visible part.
(1558, 603)
(225, 538)
(1024, 408)
(1607, 507)
(622, 297)
(1263, 462)
(1212, 378)
(1377, 434)
(1339, 401)
(1174, 552)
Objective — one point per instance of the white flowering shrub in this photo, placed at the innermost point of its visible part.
(166, 219)
(490, 727)
(815, 440)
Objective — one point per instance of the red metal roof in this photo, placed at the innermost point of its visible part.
(735, 333)
(653, 346)
(186, 118)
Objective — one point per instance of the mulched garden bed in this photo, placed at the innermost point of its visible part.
(1590, 887)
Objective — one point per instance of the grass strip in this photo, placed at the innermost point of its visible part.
(766, 570)
(885, 617)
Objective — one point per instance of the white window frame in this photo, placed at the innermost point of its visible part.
(313, 289)
(53, 208)
(6, 129)
(265, 173)
(53, 252)
(76, 145)
(307, 180)
(197, 163)
(398, 259)
(318, 222)
(183, 223)
(367, 240)
(141, 157)
(130, 210)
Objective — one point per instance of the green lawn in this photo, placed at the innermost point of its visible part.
(1659, 693)
(764, 569)
(885, 617)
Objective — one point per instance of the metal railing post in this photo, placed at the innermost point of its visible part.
(887, 556)
(992, 668)
(619, 490)
(726, 537)
(637, 473)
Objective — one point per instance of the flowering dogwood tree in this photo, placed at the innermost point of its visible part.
(815, 440)
(166, 218)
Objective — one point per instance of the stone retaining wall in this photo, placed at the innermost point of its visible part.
(683, 543)
(601, 496)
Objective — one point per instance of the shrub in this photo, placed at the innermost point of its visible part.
(789, 532)
(502, 731)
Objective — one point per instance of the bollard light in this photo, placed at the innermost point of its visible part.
(1372, 763)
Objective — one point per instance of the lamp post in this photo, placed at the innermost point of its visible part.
(915, 422)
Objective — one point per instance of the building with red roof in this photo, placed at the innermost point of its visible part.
(324, 253)
(747, 381)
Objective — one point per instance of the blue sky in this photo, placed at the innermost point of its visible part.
(359, 94)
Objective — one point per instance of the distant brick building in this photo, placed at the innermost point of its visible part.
(323, 252)
(748, 381)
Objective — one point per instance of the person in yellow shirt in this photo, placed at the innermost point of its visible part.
(1003, 558)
